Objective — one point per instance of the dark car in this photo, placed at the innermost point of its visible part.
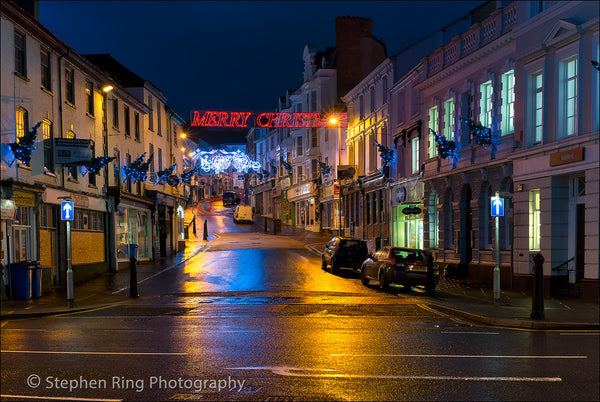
(399, 265)
(344, 252)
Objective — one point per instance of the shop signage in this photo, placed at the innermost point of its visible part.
(285, 183)
(8, 209)
(411, 211)
(561, 158)
(271, 120)
(330, 191)
(71, 150)
(80, 201)
(22, 199)
(301, 190)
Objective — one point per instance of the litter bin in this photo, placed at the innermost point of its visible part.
(276, 226)
(21, 280)
(36, 281)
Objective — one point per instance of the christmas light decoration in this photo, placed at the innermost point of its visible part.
(596, 65)
(287, 166)
(162, 175)
(446, 148)
(220, 160)
(23, 148)
(481, 134)
(386, 155)
(95, 164)
(187, 175)
(138, 169)
(272, 120)
(325, 170)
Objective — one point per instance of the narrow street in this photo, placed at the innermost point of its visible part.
(254, 317)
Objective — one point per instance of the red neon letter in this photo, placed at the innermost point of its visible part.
(196, 119)
(260, 118)
(222, 119)
(244, 116)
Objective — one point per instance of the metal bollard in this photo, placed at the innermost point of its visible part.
(265, 224)
(133, 288)
(537, 304)
(194, 226)
(430, 286)
(205, 230)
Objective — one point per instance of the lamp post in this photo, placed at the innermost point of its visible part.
(334, 121)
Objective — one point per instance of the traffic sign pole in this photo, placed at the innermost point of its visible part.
(497, 267)
(70, 291)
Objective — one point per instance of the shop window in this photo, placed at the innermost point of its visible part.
(434, 221)
(535, 223)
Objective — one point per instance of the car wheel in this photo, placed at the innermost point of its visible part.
(383, 285)
(335, 268)
(323, 263)
(363, 278)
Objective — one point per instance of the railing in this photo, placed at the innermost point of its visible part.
(565, 280)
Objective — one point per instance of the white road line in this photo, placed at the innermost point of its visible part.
(59, 398)
(307, 372)
(471, 333)
(25, 329)
(469, 356)
(94, 353)
(130, 330)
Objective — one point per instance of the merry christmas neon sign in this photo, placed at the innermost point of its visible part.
(268, 120)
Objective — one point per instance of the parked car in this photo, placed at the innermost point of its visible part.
(242, 213)
(399, 265)
(344, 252)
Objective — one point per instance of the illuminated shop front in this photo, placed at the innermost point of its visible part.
(307, 214)
(407, 215)
(133, 226)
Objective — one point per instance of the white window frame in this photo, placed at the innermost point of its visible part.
(537, 106)
(568, 104)
(449, 119)
(434, 119)
(486, 91)
(508, 103)
(414, 146)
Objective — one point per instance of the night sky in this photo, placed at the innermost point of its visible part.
(238, 56)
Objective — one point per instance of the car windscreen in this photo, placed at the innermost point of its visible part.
(409, 255)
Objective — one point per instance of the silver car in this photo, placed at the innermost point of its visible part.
(399, 265)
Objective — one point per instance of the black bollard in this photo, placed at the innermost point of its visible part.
(205, 230)
(430, 286)
(133, 288)
(537, 304)
(265, 224)
(194, 226)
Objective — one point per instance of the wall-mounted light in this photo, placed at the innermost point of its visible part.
(107, 88)
(182, 149)
(182, 135)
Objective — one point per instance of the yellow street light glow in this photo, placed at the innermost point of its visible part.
(182, 149)
(183, 135)
(191, 154)
(107, 88)
(333, 120)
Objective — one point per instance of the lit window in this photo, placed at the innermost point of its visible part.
(508, 102)
(535, 225)
(449, 119)
(21, 117)
(414, 145)
(537, 106)
(47, 135)
(485, 104)
(569, 97)
(433, 125)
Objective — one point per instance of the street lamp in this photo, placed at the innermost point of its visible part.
(334, 121)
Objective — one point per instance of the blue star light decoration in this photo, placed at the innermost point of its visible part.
(187, 175)
(386, 154)
(138, 169)
(482, 135)
(95, 164)
(162, 175)
(287, 166)
(596, 65)
(23, 147)
(446, 148)
(220, 160)
(325, 170)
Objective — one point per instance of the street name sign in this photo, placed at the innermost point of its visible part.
(66, 211)
(497, 206)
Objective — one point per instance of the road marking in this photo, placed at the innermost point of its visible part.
(95, 353)
(130, 330)
(3, 323)
(470, 356)
(471, 333)
(302, 372)
(59, 398)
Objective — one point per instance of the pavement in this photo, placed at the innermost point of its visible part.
(471, 301)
